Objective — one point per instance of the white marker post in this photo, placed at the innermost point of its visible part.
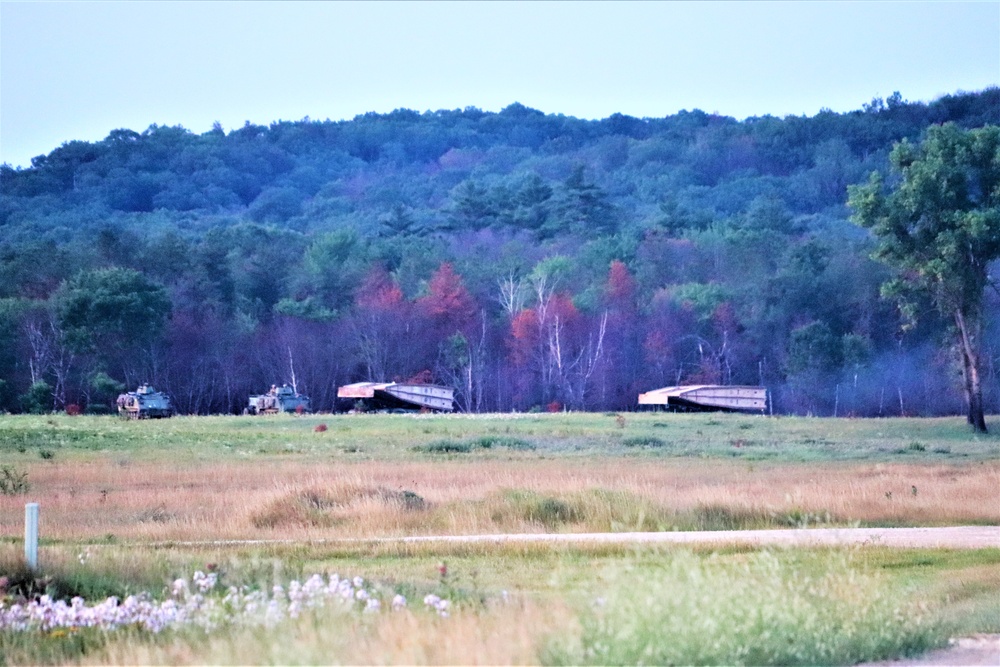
(31, 535)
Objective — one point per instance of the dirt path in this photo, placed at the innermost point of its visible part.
(978, 651)
(951, 537)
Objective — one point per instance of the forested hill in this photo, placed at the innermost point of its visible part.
(526, 259)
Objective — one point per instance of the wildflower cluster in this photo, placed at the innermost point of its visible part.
(437, 604)
(198, 603)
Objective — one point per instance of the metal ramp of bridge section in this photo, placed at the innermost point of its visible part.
(401, 395)
(708, 397)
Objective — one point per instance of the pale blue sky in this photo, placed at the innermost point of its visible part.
(77, 70)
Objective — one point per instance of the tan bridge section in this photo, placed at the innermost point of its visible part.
(708, 397)
(428, 396)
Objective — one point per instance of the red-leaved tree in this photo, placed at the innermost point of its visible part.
(447, 315)
(383, 328)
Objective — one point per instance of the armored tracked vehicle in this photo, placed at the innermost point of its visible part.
(144, 403)
(278, 399)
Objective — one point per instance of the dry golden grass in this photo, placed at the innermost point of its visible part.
(295, 499)
(510, 635)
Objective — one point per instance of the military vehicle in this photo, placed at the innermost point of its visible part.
(144, 403)
(278, 399)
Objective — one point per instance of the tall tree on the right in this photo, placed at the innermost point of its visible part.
(938, 225)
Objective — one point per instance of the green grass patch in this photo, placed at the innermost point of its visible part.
(491, 441)
(763, 609)
(13, 481)
(643, 441)
(324, 507)
(517, 505)
(396, 437)
(612, 510)
(727, 517)
(445, 447)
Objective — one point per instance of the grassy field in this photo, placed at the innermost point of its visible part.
(379, 437)
(118, 497)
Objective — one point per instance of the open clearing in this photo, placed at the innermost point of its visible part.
(397, 475)
(549, 511)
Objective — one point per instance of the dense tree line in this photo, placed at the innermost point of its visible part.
(527, 260)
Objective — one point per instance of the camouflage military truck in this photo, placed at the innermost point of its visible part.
(278, 399)
(144, 403)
